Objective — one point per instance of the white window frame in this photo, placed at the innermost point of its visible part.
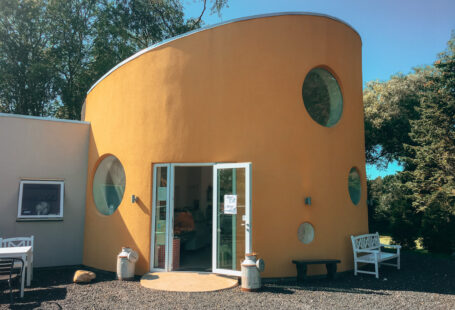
(21, 192)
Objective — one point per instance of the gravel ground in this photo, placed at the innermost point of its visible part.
(424, 282)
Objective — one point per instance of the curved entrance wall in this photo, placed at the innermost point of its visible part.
(233, 93)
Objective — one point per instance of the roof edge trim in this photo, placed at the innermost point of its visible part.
(40, 118)
(156, 45)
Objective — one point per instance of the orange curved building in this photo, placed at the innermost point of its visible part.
(226, 140)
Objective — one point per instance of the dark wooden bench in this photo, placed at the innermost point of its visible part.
(331, 265)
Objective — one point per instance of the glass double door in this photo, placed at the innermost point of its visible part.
(231, 224)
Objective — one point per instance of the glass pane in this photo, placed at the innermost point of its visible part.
(306, 233)
(230, 211)
(40, 199)
(108, 185)
(160, 217)
(354, 185)
(322, 97)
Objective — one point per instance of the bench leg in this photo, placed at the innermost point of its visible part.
(331, 270)
(301, 272)
(376, 269)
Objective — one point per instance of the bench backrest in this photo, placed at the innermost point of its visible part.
(365, 242)
(20, 241)
(13, 242)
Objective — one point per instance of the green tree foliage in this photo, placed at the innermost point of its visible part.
(412, 118)
(432, 156)
(390, 212)
(389, 108)
(71, 22)
(52, 51)
(27, 74)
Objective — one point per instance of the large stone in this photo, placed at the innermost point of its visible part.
(83, 276)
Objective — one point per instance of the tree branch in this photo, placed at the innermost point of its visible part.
(198, 20)
(163, 19)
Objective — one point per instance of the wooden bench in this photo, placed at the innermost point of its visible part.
(330, 264)
(369, 248)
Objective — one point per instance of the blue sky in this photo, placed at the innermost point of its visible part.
(397, 35)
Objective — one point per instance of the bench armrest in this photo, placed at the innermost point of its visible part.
(395, 247)
(367, 251)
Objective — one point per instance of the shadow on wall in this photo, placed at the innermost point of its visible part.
(104, 235)
(141, 205)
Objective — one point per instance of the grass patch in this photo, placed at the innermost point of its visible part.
(388, 240)
(419, 247)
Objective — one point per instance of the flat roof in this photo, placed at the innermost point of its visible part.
(211, 27)
(40, 118)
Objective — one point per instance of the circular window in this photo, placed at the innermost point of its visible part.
(108, 185)
(322, 97)
(354, 185)
(306, 233)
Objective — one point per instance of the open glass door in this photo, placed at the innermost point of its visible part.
(231, 216)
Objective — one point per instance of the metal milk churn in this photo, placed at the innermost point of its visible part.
(251, 268)
(126, 261)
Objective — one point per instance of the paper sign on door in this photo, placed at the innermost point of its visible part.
(230, 204)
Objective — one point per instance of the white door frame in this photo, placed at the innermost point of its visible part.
(154, 198)
(248, 234)
(169, 212)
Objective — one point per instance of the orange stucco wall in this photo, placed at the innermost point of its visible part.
(234, 94)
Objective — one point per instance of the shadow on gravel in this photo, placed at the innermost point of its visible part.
(316, 286)
(52, 288)
(34, 298)
(276, 290)
(418, 273)
(345, 290)
(47, 305)
(44, 277)
(49, 285)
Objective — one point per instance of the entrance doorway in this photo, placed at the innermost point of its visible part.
(201, 217)
(193, 216)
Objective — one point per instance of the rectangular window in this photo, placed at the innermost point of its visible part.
(40, 199)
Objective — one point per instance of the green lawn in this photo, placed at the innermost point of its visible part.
(419, 247)
(388, 240)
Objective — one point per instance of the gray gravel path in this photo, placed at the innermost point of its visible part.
(424, 282)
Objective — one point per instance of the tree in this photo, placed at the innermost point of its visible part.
(52, 51)
(432, 156)
(127, 26)
(389, 108)
(71, 22)
(27, 76)
(411, 118)
(390, 210)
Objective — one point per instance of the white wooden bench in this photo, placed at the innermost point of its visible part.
(367, 249)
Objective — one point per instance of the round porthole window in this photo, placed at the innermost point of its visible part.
(354, 185)
(322, 97)
(108, 185)
(306, 233)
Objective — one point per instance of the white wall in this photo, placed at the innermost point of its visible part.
(37, 148)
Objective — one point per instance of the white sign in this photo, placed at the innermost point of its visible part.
(230, 204)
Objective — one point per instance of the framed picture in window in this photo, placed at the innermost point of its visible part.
(40, 199)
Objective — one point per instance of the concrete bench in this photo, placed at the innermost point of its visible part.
(330, 264)
(367, 250)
